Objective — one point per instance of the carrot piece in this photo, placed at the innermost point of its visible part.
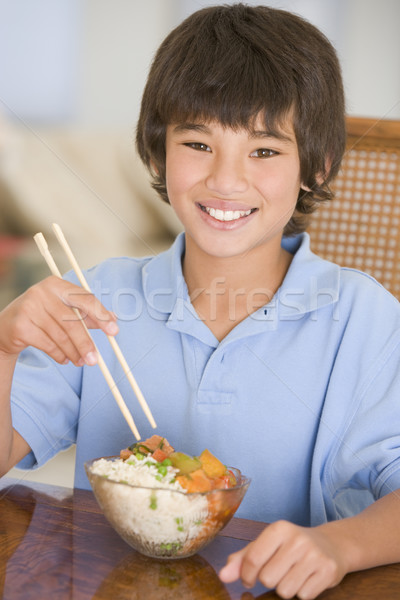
(159, 455)
(197, 481)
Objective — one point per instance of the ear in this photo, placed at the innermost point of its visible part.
(153, 167)
(320, 177)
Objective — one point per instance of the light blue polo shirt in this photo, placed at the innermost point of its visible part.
(303, 395)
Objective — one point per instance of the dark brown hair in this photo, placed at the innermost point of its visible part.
(232, 63)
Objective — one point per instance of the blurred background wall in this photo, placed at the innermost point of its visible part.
(71, 77)
(84, 62)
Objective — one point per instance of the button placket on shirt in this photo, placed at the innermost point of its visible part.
(216, 385)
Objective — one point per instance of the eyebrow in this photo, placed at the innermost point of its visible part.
(183, 127)
(253, 134)
(277, 135)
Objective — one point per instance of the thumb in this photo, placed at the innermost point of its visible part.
(231, 571)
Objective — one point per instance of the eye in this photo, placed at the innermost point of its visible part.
(263, 153)
(198, 146)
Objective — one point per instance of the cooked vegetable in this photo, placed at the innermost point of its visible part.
(211, 465)
(197, 481)
(185, 463)
(195, 474)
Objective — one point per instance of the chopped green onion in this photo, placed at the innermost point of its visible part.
(174, 546)
(139, 446)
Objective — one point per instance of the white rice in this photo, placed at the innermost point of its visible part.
(136, 472)
(162, 514)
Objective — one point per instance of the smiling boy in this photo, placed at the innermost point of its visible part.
(241, 338)
(233, 197)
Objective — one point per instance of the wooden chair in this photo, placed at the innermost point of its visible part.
(360, 228)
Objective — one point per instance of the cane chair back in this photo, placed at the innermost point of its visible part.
(360, 228)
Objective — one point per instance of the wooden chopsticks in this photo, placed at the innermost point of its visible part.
(43, 247)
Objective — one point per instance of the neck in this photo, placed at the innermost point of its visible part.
(226, 290)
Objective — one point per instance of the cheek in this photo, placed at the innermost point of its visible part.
(282, 186)
(292, 182)
(180, 178)
(173, 177)
(176, 185)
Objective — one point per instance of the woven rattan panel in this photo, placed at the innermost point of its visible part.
(360, 228)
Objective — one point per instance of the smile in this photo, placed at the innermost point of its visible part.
(226, 215)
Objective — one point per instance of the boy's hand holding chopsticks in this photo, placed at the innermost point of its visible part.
(55, 316)
(42, 317)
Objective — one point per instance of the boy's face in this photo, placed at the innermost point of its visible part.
(233, 190)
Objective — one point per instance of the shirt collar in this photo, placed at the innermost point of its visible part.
(166, 291)
(310, 283)
(162, 278)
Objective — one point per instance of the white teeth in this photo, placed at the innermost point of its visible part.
(226, 215)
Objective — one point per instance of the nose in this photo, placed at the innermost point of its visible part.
(227, 176)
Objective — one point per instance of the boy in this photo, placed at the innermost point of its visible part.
(241, 339)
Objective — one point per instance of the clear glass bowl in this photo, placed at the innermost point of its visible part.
(164, 523)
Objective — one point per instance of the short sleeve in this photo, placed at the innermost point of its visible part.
(366, 465)
(45, 405)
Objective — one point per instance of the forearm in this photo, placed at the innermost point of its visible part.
(371, 538)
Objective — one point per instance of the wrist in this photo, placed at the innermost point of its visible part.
(346, 538)
(8, 359)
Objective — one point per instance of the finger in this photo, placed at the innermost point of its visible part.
(312, 587)
(259, 553)
(29, 325)
(293, 560)
(47, 345)
(53, 290)
(231, 571)
(321, 579)
(72, 338)
(96, 316)
(65, 325)
(275, 573)
(48, 335)
(292, 581)
(62, 327)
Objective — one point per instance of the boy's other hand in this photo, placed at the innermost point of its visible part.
(294, 560)
(43, 317)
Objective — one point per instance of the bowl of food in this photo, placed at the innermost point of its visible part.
(166, 504)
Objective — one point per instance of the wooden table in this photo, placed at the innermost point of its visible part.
(55, 543)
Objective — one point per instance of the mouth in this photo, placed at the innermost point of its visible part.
(226, 215)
